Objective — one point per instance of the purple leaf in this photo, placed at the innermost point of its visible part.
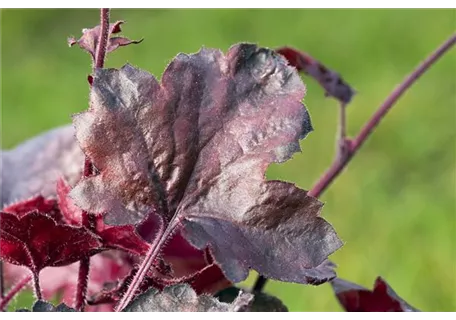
(182, 298)
(330, 80)
(90, 37)
(34, 167)
(382, 298)
(195, 149)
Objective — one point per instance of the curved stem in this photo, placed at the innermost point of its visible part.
(341, 162)
(337, 167)
(13, 291)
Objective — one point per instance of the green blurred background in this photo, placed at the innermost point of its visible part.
(394, 206)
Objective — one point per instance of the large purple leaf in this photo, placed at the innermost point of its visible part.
(195, 149)
(34, 167)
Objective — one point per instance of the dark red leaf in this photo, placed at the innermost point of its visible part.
(195, 149)
(90, 37)
(36, 241)
(124, 238)
(37, 203)
(330, 80)
(382, 298)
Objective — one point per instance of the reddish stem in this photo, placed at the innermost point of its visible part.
(36, 284)
(89, 219)
(337, 167)
(154, 250)
(353, 146)
(103, 40)
(13, 291)
(83, 280)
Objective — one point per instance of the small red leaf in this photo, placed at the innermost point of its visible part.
(36, 241)
(37, 203)
(382, 298)
(330, 80)
(90, 37)
(124, 238)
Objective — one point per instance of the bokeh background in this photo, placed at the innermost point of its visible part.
(394, 206)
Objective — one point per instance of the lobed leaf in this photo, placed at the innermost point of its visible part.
(36, 241)
(195, 149)
(90, 38)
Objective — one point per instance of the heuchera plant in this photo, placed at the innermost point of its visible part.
(156, 198)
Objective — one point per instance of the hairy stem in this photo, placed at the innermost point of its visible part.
(13, 291)
(88, 219)
(36, 285)
(340, 163)
(2, 284)
(103, 40)
(151, 255)
(83, 280)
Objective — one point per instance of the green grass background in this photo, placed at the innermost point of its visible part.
(394, 206)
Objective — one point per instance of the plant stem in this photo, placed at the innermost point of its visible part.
(343, 121)
(340, 163)
(337, 167)
(88, 219)
(103, 40)
(13, 291)
(83, 280)
(259, 284)
(154, 250)
(343, 145)
(36, 284)
(2, 284)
